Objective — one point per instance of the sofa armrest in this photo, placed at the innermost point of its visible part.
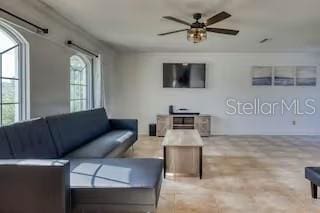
(35, 186)
(125, 124)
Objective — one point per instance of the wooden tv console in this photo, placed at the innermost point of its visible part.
(202, 123)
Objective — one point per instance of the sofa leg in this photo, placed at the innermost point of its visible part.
(314, 191)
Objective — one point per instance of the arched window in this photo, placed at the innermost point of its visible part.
(12, 76)
(80, 83)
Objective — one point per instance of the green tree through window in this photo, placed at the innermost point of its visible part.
(10, 101)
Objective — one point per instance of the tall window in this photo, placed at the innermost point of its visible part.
(80, 83)
(11, 92)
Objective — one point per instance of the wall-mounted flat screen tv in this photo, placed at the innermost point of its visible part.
(184, 75)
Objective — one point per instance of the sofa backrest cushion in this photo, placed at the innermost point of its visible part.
(73, 130)
(31, 139)
(5, 151)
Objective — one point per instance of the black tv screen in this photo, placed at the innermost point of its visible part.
(184, 75)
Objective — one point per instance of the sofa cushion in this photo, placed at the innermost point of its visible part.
(31, 139)
(100, 147)
(5, 151)
(115, 181)
(313, 174)
(70, 131)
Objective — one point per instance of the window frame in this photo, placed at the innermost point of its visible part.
(88, 61)
(21, 61)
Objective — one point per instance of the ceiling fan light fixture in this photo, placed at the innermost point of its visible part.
(197, 35)
(198, 30)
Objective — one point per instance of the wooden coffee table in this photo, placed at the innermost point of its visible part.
(182, 153)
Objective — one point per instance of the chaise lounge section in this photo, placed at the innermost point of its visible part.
(66, 163)
(133, 184)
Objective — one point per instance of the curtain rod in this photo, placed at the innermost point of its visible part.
(70, 43)
(43, 30)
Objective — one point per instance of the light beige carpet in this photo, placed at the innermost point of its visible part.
(258, 174)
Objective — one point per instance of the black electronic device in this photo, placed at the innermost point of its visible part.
(186, 75)
(152, 129)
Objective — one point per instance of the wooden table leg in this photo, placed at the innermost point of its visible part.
(200, 162)
(164, 162)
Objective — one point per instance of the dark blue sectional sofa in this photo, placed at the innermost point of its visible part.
(68, 163)
(313, 175)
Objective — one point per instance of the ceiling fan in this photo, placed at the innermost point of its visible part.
(198, 30)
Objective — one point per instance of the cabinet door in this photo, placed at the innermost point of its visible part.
(163, 124)
(204, 125)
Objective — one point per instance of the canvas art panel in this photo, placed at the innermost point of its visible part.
(306, 76)
(284, 76)
(261, 76)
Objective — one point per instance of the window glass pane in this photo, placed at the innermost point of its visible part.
(83, 77)
(10, 113)
(10, 100)
(76, 75)
(71, 92)
(76, 92)
(72, 106)
(76, 106)
(10, 91)
(10, 64)
(77, 63)
(78, 84)
(83, 91)
(84, 104)
(71, 76)
(6, 41)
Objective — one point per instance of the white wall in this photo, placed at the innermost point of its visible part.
(137, 91)
(49, 57)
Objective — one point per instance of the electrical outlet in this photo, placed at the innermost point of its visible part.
(294, 123)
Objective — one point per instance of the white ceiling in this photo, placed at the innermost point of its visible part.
(293, 25)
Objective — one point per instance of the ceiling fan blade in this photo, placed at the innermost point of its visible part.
(217, 18)
(176, 31)
(223, 31)
(176, 20)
